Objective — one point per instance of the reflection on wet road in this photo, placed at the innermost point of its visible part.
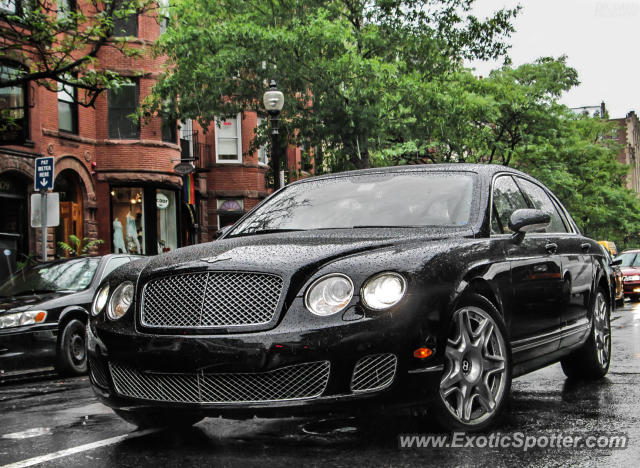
(60, 422)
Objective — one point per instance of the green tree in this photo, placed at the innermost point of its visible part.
(341, 63)
(55, 44)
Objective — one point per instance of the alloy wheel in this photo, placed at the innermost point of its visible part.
(602, 330)
(474, 378)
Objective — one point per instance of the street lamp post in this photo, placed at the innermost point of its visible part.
(273, 102)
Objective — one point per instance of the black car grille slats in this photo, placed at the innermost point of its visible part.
(211, 299)
(300, 381)
(373, 372)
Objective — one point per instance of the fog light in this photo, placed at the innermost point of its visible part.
(636, 290)
(422, 353)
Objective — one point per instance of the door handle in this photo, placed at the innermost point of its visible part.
(551, 248)
(585, 247)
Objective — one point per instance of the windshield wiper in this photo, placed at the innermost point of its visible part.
(264, 231)
(37, 291)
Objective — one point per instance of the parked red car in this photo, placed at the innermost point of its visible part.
(630, 267)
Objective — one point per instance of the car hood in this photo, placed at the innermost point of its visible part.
(630, 271)
(29, 301)
(289, 252)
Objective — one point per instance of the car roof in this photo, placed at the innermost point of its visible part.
(487, 170)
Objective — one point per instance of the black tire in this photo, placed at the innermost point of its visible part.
(144, 419)
(472, 375)
(589, 362)
(71, 356)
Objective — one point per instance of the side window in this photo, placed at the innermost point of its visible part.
(541, 201)
(113, 264)
(506, 199)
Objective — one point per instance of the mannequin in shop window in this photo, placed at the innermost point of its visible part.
(118, 238)
(132, 234)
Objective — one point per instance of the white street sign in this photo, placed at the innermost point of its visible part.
(53, 210)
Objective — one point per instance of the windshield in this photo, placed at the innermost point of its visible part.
(368, 200)
(630, 259)
(73, 275)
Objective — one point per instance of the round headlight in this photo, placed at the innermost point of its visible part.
(329, 295)
(121, 300)
(100, 301)
(383, 290)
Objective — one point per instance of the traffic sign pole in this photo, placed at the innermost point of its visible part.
(43, 222)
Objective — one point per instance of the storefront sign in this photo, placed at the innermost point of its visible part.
(184, 168)
(162, 201)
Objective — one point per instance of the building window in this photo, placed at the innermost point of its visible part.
(228, 140)
(14, 117)
(64, 8)
(125, 26)
(123, 101)
(67, 108)
(166, 220)
(169, 133)
(262, 150)
(230, 210)
(186, 139)
(127, 207)
(163, 15)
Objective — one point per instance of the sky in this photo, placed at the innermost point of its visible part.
(599, 38)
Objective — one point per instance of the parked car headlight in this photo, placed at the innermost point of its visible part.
(632, 278)
(23, 318)
(100, 301)
(329, 295)
(383, 290)
(121, 300)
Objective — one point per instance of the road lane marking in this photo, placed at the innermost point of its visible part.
(81, 448)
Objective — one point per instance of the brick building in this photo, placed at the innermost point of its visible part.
(116, 179)
(629, 136)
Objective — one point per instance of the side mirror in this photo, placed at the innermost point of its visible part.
(223, 231)
(616, 262)
(525, 220)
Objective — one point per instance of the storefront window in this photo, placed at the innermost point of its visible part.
(166, 219)
(230, 210)
(127, 207)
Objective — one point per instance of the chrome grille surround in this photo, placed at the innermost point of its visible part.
(211, 299)
(296, 382)
(374, 372)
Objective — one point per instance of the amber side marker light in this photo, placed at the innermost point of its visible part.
(40, 317)
(422, 353)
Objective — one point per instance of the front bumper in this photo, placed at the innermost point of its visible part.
(631, 288)
(157, 360)
(28, 347)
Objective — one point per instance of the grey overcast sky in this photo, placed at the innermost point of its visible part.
(599, 37)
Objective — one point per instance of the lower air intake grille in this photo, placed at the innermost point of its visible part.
(299, 381)
(373, 372)
(98, 373)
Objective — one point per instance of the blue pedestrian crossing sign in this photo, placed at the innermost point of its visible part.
(44, 174)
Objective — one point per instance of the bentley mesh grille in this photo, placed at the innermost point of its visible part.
(299, 381)
(374, 372)
(213, 299)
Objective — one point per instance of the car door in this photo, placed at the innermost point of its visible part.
(576, 253)
(536, 293)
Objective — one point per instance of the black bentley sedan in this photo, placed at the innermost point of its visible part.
(428, 286)
(43, 312)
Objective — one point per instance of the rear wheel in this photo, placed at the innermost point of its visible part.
(591, 360)
(476, 380)
(71, 358)
(144, 419)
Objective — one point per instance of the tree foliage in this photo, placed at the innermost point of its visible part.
(55, 44)
(340, 63)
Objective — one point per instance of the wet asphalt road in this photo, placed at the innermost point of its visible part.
(47, 416)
